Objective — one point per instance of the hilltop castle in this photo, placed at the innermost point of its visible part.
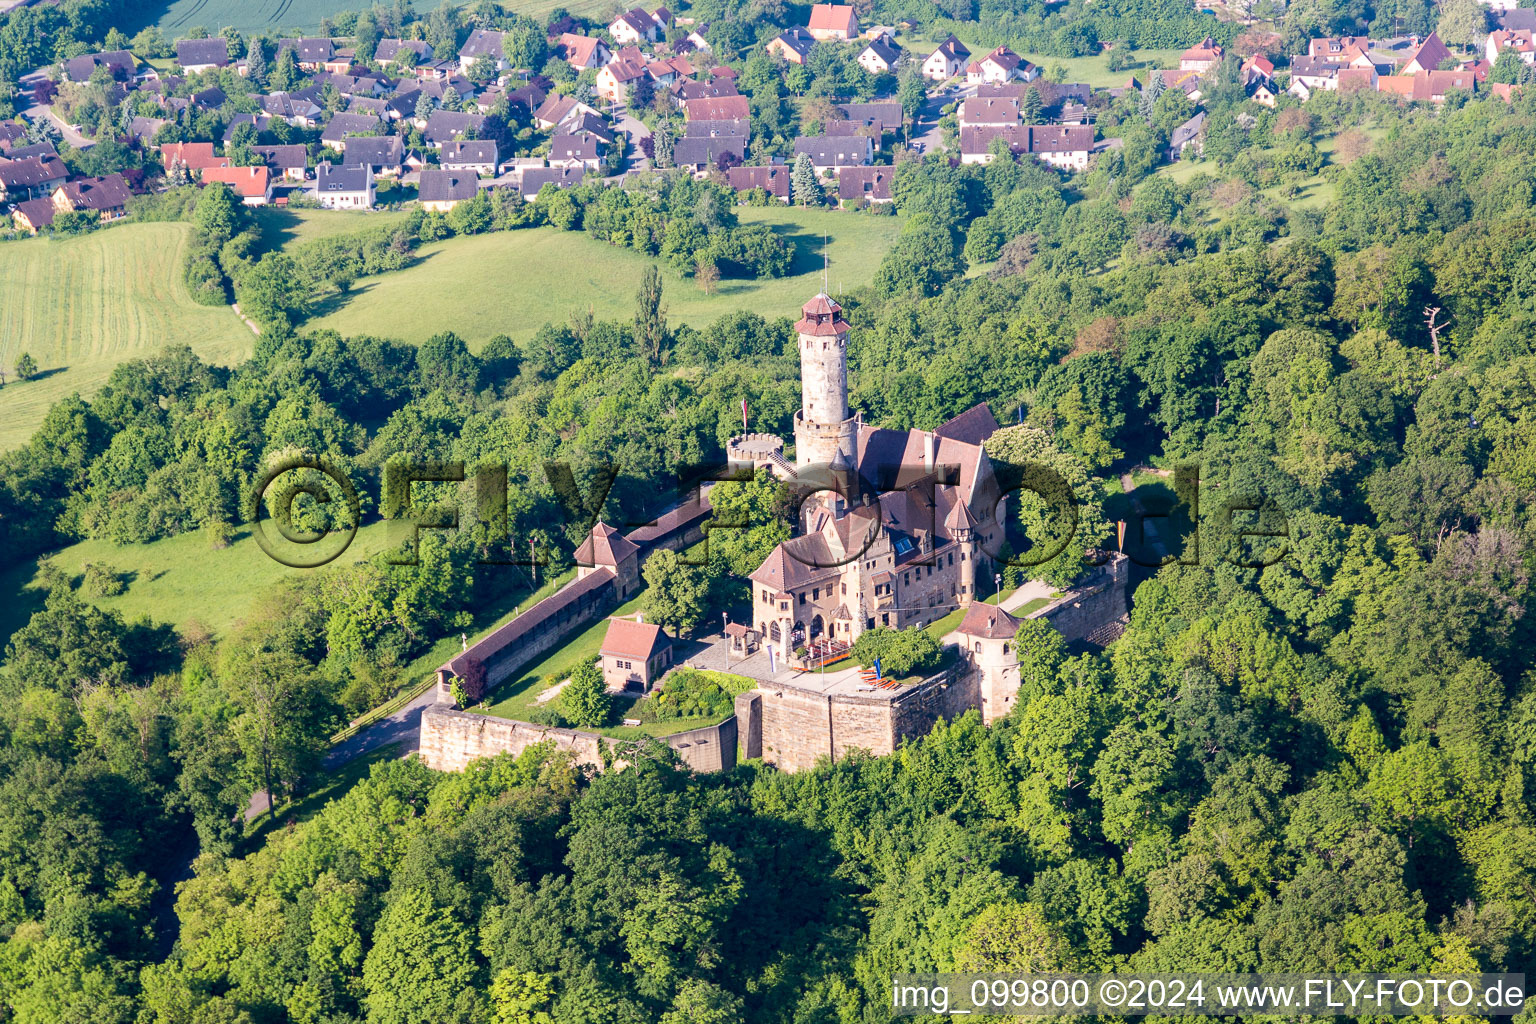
(903, 539)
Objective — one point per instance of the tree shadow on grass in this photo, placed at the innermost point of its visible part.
(39, 375)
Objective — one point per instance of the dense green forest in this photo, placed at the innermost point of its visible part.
(1329, 763)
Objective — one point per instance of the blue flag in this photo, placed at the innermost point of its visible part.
(878, 673)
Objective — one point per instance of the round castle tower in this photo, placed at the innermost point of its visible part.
(823, 429)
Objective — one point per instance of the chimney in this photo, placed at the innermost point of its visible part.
(929, 445)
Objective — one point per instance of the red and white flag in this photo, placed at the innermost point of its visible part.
(743, 414)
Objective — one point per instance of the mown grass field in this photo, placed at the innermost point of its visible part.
(284, 227)
(255, 15)
(513, 282)
(1093, 70)
(82, 305)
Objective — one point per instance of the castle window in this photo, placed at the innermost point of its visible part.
(815, 594)
(1005, 648)
(845, 589)
(802, 599)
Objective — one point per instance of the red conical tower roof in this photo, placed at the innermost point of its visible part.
(821, 316)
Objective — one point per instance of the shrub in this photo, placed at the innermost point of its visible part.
(102, 580)
(692, 693)
(902, 652)
(548, 715)
(585, 699)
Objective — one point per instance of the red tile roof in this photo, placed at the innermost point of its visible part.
(638, 640)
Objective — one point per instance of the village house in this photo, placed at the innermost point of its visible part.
(473, 156)
(557, 110)
(482, 42)
(988, 110)
(261, 122)
(887, 117)
(12, 134)
(446, 125)
(582, 52)
(637, 25)
(717, 108)
(1426, 56)
(252, 184)
(535, 178)
(1066, 147)
(1427, 87)
(290, 163)
(312, 54)
(120, 64)
(1257, 78)
(829, 152)
(373, 107)
(106, 197)
(144, 129)
(946, 61)
(198, 55)
(383, 155)
(616, 77)
(33, 215)
(196, 157)
(1187, 135)
(670, 71)
(442, 190)
(1001, 65)
(685, 89)
(878, 57)
(1201, 57)
(634, 655)
(32, 176)
(774, 180)
(833, 21)
(1522, 41)
(344, 188)
(792, 45)
(390, 52)
(702, 153)
(298, 110)
(872, 184)
(583, 152)
(342, 126)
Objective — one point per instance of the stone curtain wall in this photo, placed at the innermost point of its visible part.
(1100, 601)
(793, 728)
(450, 740)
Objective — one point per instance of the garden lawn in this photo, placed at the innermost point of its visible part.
(285, 226)
(513, 282)
(82, 305)
(1093, 70)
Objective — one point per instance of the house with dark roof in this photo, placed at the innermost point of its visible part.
(144, 129)
(887, 116)
(713, 129)
(947, 60)
(685, 89)
(120, 64)
(11, 134)
(198, 55)
(773, 179)
(872, 184)
(701, 154)
(344, 188)
(381, 154)
(988, 110)
(634, 655)
(590, 123)
(391, 51)
(635, 25)
(341, 127)
(617, 77)
(290, 163)
(879, 57)
(1065, 147)
(32, 176)
(535, 178)
(792, 45)
(297, 109)
(106, 197)
(584, 152)
(1185, 136)
(33, 215)
(446, 125)
(470, 156)
(483, 42)
(442, 190)
(829, 152)
(311, 53)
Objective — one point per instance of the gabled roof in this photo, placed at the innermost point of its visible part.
(1207, 49)
(833, 18)
(637, 640)
(797, 39)
(988, 622)
(331, 178)
(118, 62)
(535, 178)
(483, 42)
(1429, 53)
(248, 182)
(887, 115)
(310, 50)
(194, 155)
(284, 158)
(469, 151)
(343, 125)
(99, 194)
(373, 150)
(717, 108)
(887, 53)
(774, 179)
(191, 52)
(712, 129)
(638, 19)
(835, 149)
(446, 186)
(990, 110)
(973, 426)
(446, 125)
(1003, 58)
(702, 150)
(39, 212)
(574, 147)
(579, 49)
(953, 49)
(864, 182)
(390, 49)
